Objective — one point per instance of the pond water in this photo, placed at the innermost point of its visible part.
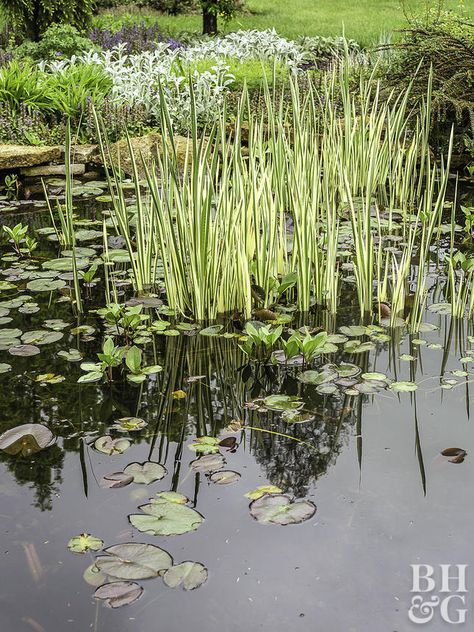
(371, 462)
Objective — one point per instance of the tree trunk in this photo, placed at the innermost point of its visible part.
(209, 21)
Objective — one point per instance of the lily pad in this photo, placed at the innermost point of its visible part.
(262, 490)
(134, 561)
(41, 337)
(26, 439)
(208, 463)
(129, 424)
(45, 285)
(403, 387)
(65, 264)
(116, 480)
(224, 477)
(280, 509)
(110, 446)
(377, 377)
(317, 377)
(84, 542)
(4, 367)
(205, 445)
(213, 330)
(24, 351)
(190, 574)
(117, 594)
(162, 517)
(145, 473)
(73, 355)
(283, 402)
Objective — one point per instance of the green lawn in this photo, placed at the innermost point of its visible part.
(362, 20)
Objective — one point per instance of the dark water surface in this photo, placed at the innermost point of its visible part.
(385, 496)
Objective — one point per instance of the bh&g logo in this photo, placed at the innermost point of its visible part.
(443, 587)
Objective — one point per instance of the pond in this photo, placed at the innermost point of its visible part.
(360, 454)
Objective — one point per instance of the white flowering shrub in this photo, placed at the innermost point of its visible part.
(137, 78)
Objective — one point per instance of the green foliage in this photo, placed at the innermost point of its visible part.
(252, 72)
(440, 43)
(58, 41)
(22, 83)
(30, 18)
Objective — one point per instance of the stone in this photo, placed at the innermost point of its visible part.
(52, 170)
(14, 157)
(145, 149)
(84, 154)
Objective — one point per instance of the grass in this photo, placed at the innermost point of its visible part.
(363, 21)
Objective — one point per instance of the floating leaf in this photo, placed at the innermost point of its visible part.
(178, 394)
(134, 561)
(84, 542)
(117, 594)
(208, 463)
(403, 387)
(377, 377)
(45, 285)
(407, 357)
(224, 477)
(110, 446)
(280, 509)
(317, 377)
(173, 497)
(24, 351)
(145, 473)
(440, 308)
(453, 451)
(49, 378)
(228, 442)
(4, 368)
(129, 424)
(190, 574)
(262, 490)
(162, 517)
(73, 355)
(116, 480)
(283, 402)
(26, 439)
(93, 576)
(41, 337)
(213, 330)
(296, 417)
(353, 330)
(65, 264)
(205, 445)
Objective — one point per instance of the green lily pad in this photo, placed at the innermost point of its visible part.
(162, 517)
(56, 324)
(145, 473)
(280, 509)
(6, 285)
(129, 424)
(283, 402)
(440, 308)
(190, 574)
(403, 387)
(115, 480)
(224, 477)
(110, 446)
(93, 576)
(262, 490)
(317, 377)
(24, 351)
(4, 367)
(41, 337)
(45, 285)
(73, 355)
(205, 445)
(213, 330)
(208, 463)
(26, 439)
(134, 561)
(65, 264)
(353, 330)
(84, 542)
(377, 377)
(117, 594)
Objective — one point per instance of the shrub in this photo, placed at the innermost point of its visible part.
(30, 18)
(59, 40)
(22, 84)
(136, 38)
